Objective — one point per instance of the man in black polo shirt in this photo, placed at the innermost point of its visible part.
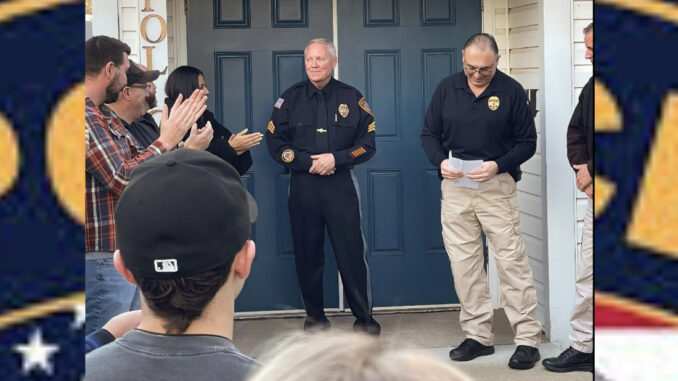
(482, 114)
(320, 128)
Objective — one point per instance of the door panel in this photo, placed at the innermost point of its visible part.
(396, 54)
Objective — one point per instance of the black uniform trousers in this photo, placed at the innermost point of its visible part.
(315, 202)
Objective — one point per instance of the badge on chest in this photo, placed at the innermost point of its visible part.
(493, 103)
(343, 110)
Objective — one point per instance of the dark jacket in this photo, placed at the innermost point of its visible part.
(293, 134)
(144, 130)
(580, 131)
(219, 144)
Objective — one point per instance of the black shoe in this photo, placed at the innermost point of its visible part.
(569, 361)
(311, 324)
(524, 357)
(470, 349)
(369, 326)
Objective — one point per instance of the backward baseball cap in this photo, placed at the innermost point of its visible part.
(182, 213)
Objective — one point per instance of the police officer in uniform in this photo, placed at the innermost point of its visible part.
(482, 114)
(320, 128)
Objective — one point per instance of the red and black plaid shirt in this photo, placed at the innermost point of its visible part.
(112, 154)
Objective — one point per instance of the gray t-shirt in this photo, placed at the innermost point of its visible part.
(141, 355)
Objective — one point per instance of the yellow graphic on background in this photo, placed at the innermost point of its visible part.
(17, 8)
(9, 156)
(654, 222)
(604, 191)
(66, 152)
(607, 119)
(40, 310)
(661, 9)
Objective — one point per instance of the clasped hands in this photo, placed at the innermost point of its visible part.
(323, 164)
(584, 179)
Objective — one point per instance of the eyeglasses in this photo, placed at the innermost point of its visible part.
(483, 70)
(146, 87)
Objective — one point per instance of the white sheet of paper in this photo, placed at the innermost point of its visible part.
(464, 166)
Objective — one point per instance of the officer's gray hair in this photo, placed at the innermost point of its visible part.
(588, 28)
(324, 41)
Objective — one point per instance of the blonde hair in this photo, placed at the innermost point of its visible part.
(344, 356)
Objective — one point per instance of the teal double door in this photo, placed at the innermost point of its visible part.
(395, 52)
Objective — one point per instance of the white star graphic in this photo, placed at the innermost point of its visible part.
(36, 353)
(79, 311)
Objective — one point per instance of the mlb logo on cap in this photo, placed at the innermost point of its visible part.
(166, 266)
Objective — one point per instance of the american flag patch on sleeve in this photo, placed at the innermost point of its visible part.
(279, 103)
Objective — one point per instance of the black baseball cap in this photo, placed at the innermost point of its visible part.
(182, 213)
(136, 75)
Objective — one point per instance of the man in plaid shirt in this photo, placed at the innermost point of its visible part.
(111, 155)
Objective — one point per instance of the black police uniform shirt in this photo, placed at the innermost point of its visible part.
(495, 126)
(293, 132)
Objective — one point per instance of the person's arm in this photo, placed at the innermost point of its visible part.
(102, 158)
(113, 329)
(364, 146)
(98, 339)
(279, 141)
(577, 138)
(432, 132)
(524, 134)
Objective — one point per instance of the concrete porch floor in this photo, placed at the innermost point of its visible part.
(436, 332)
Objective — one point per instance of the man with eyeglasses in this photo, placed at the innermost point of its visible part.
(136, 98)
(483, 114)
(144, 129)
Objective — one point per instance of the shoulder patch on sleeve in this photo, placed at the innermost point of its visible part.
(279, 103)
(363, 105)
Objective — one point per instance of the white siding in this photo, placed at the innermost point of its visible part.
(171, 36)
(515, 25)
(129, 26)
(525, 64)
(582, 15)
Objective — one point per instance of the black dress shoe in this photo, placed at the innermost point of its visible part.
(369, 326)
(569, 361)
(311, 324)
(524, 357)
(470, 349)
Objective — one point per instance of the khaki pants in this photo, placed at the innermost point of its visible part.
(581, 321)
(493, 207)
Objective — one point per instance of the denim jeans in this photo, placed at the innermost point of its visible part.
(107, 293)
